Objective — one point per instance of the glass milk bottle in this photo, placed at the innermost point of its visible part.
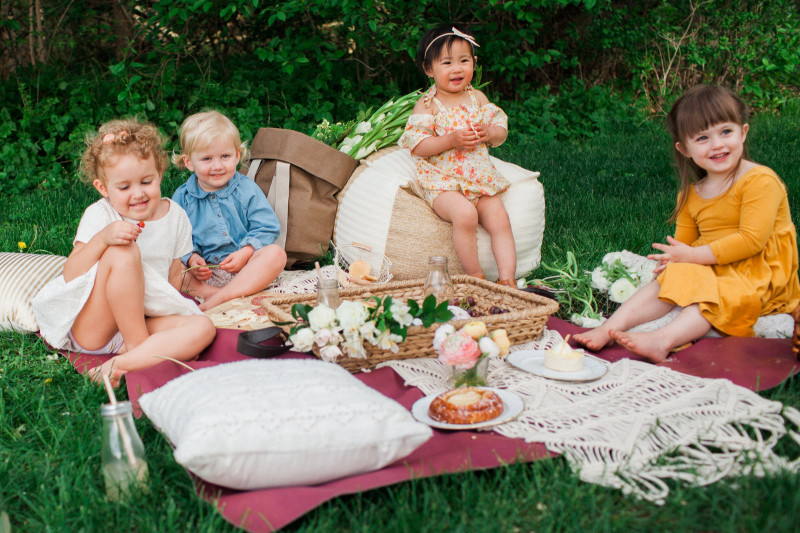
(328, 293)
(122, 455)
(438, 281)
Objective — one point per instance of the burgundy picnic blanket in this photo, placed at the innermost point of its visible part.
(757, 364)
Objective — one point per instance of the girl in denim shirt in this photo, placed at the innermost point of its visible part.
(233, 225)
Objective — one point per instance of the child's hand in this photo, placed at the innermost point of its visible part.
(121, 233)
(237, 260)
(200, 274)
(482, 131)
(674, 252)
(467, 138)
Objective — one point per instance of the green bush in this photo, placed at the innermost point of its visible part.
(561, 69)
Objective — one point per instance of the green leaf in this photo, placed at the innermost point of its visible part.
(117, 68)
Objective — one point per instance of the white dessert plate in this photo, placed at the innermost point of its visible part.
(533, 361)
(512, 407)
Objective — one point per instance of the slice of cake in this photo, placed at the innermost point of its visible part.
(564, 358)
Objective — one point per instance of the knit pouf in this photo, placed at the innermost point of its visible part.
(379, 208)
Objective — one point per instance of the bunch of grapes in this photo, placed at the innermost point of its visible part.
(468, 305)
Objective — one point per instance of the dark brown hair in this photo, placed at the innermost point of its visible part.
(426, 56)
(698, 109)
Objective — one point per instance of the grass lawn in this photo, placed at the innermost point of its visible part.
(608, 193)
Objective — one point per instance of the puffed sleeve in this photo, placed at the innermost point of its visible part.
(418, 128)
(494, 116)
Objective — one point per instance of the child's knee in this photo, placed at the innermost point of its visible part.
(272, 253)
(466, 219)
(122, 255)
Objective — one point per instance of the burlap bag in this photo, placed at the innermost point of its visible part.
(300, 177)
(379, 208)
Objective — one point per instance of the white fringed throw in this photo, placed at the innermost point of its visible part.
(639, 425)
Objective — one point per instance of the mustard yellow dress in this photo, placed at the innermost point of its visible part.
(469, 171)
(750, 231)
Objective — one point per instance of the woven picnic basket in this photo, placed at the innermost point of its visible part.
(524, 321)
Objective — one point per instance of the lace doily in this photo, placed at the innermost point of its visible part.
(638, 426)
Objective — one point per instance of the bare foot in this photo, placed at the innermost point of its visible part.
(107, 368)
(595, 339)
(649, 345)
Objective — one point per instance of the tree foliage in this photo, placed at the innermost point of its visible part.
(564, 68)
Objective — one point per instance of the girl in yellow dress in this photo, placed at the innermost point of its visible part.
(447, 135)
(734, 254)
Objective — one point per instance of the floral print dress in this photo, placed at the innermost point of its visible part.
(469, 171)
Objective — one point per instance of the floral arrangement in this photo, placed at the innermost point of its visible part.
(620, 274)
(343, 331)
(466, 348)
(383, 128)
(585, 293)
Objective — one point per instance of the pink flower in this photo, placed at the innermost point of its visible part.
(459, 350)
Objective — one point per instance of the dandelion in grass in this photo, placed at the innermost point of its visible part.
(21, 245)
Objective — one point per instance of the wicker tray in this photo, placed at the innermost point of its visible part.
(524, 322)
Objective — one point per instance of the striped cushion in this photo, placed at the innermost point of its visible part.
(21, 277)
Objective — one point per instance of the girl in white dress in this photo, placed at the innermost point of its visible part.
(119, 289)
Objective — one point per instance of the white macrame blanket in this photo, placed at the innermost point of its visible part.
(639, 425)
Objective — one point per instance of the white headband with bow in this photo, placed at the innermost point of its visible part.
(469, 38)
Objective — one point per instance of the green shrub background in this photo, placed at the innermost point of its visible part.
(563, 70)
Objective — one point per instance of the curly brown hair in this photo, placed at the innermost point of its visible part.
(122, 137)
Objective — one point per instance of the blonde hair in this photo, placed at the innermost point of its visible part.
(200, 130)
(118, 138)
(698, 109)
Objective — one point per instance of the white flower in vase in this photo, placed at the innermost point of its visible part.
(489, 347)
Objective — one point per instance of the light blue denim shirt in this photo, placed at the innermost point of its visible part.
(229, 219)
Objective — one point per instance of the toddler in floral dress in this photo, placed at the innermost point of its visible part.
(448, 134)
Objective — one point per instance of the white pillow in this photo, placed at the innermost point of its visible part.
(269, 423)
(21, 277)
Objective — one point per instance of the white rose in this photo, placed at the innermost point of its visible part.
(329, 353)
(645, 273)
(621, 290)
(351, 315)
(442, 332)
(322, 337)
(303, 340)
(489, 347)
(321, 317)
(599, 280)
